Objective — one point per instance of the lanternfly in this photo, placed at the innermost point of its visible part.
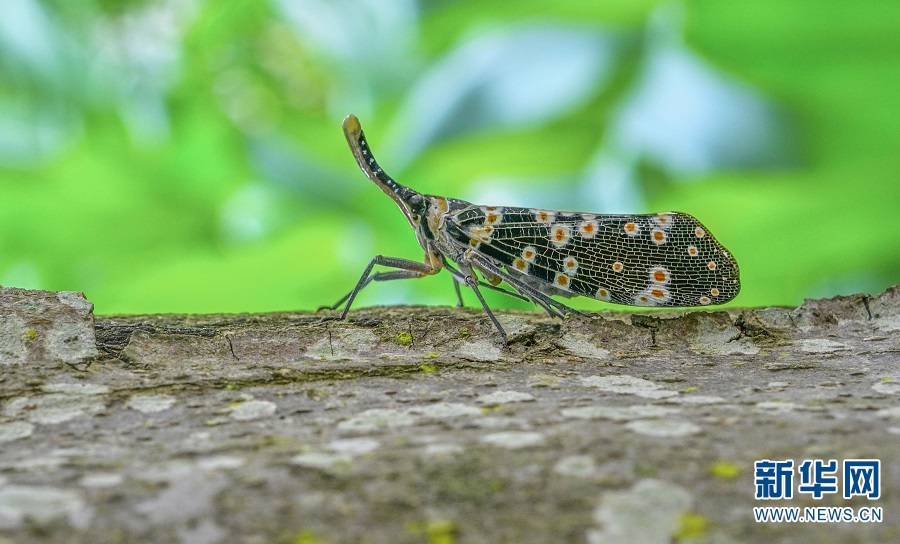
(664, 259)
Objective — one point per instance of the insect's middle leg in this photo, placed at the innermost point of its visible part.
(458, 278)
(539, 298)
(472, 281)
(459, 300)
(407, 270)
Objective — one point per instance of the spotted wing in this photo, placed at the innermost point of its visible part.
(666, 259)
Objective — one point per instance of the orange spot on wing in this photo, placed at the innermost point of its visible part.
(588, 229)
(659, 276)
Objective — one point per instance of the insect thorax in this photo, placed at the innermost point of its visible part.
(436, 217)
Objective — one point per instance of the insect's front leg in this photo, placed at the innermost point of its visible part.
(407, 270)
(377, 276)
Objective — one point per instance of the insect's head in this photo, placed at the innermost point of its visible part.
(417, 207)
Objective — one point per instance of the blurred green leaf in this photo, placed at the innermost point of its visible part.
(186, 156)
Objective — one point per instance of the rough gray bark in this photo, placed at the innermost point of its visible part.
(416, 425)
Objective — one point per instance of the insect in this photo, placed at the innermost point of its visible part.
(663, 259)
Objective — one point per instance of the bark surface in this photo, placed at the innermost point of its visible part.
(412, 424)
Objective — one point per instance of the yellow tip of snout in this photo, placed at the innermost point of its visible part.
(351, 125)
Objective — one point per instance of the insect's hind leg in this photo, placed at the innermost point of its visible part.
(407, 270)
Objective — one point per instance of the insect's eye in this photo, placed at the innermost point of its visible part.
(416, 200)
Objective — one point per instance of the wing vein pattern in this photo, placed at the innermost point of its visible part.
(665, 259)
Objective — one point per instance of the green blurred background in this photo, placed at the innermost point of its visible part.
(187, 156)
